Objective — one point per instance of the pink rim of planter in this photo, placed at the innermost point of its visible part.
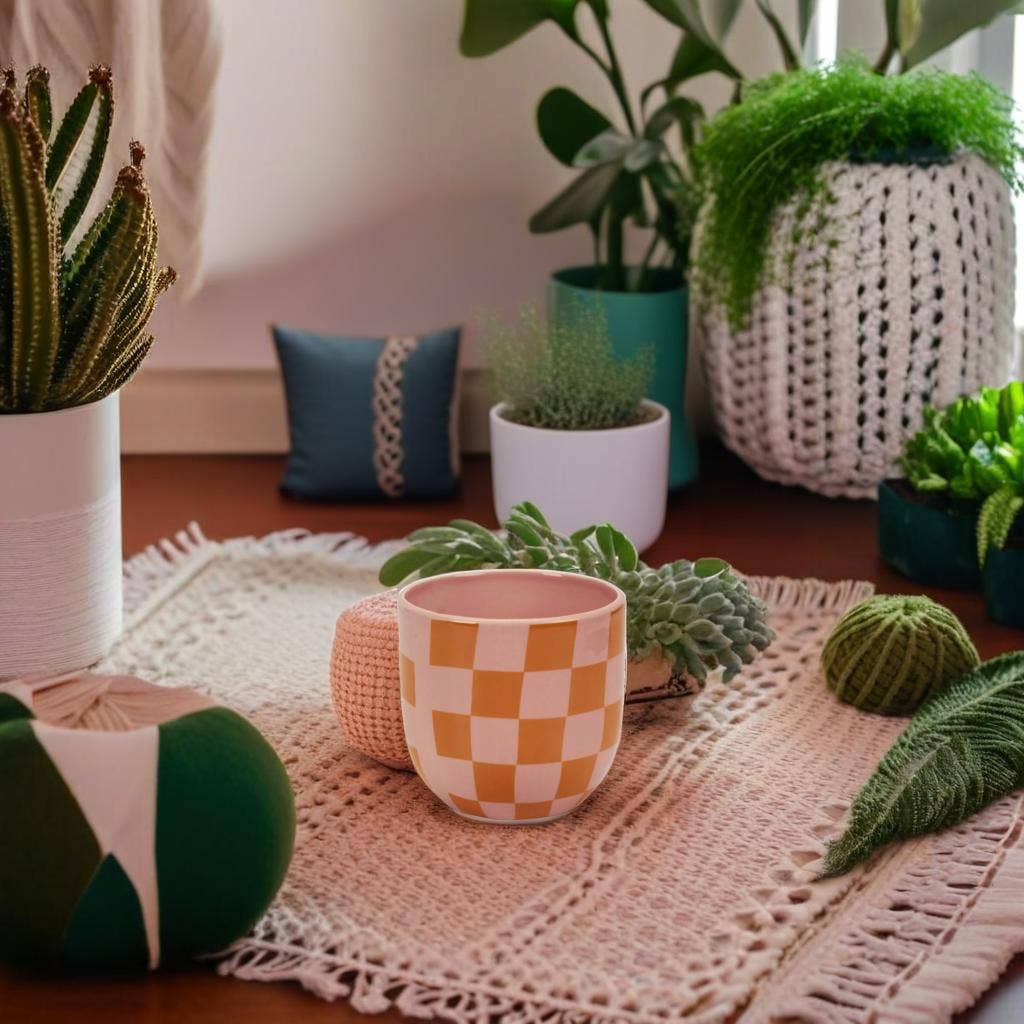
(497, 581)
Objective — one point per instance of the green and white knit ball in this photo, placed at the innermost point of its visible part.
(889, 654)
(138, 823)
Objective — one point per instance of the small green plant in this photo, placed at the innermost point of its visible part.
(73, 307)
(698, 615)
(973, 452)
(772, 148)
(566, 377)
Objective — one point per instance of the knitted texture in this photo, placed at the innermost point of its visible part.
(364, 679)
(682, 891)
(904, 299)
(888, 654)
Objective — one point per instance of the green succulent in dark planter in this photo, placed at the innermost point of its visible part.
(698, 616)
(973, 452)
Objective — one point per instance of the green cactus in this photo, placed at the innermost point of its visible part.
(73, 310)
(698, 615)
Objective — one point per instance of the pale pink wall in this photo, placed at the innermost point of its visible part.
(366, 178)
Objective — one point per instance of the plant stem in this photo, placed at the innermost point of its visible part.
(613, 269)
(641, 281)
(614, 72)
(882, 64)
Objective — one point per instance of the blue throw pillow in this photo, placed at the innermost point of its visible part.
(370, 417)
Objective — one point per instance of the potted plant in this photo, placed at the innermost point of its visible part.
(626, 174)
(572, 431)
(954, 517)
(74, 305)
(854, 264)
(684, 619)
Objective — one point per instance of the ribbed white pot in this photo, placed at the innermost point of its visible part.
(60, 538)
(580, 477)
(904, 300)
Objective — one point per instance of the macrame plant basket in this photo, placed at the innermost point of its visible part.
(902, 298)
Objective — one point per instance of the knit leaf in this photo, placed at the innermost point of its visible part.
(963, 750)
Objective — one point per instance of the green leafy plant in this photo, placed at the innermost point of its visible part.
(566, 377)
(973, 452)
(773, 147)
(629, 172)
(73, 306)
(698, 615)
(961, 751)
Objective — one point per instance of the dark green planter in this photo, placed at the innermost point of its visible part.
(927, 544)
(1004, 586)
(635, 319)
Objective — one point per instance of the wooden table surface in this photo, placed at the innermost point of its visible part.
(758, 527)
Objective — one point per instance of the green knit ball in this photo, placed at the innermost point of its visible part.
(889, 654)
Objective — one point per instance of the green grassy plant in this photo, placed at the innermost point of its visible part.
(566, 377)
(770, 149)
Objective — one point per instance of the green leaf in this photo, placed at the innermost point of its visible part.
(608, 146)
(490, 25)
(402, 565)
(625, 551)
(579, 202)
(789, 55)
(566, 123)
(720, 16)
(805, 15)
(961, 751)
(706, 568)
(693, 58)
(679, 110)
(941, 22)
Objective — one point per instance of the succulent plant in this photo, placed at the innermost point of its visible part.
(973, 451)
(698, 615)
(73, 305)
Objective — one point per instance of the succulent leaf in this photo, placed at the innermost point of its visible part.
(698, 615)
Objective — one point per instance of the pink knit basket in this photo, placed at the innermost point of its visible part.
(364, 679)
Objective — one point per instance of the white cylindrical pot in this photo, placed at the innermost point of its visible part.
(60, 538)
(580, 477)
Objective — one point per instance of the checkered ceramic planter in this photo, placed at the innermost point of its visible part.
(512, 689)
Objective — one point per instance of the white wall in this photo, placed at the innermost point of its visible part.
(367, 178)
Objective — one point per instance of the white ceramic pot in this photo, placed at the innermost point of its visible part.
(579, 477)
(60, 538)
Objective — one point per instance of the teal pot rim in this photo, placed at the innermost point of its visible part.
(1004, 592)
(925, 542)
(584, 277)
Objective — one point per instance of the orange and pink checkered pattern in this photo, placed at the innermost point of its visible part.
(513, 720)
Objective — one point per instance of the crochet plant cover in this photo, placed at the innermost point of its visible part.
(683, 890)
(906, 299)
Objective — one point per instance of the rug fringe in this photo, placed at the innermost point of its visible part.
(785, 594)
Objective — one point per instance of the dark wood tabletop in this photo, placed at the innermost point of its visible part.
(760, 528)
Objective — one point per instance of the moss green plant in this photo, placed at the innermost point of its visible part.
(771, 148)
(698, 615)
(961, 751)
(73, 305)
(890, 653)
(566, 376)
(973, 452)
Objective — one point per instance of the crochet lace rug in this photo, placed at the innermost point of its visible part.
(682, 891)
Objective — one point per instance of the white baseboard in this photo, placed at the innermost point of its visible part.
(227, 411)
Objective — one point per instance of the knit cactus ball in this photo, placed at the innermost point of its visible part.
(888, 654)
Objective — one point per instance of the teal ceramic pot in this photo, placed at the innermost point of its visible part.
(925, 543)
(1004, 586)
(657, 318)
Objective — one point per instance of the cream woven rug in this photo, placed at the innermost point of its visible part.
(683, 891)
